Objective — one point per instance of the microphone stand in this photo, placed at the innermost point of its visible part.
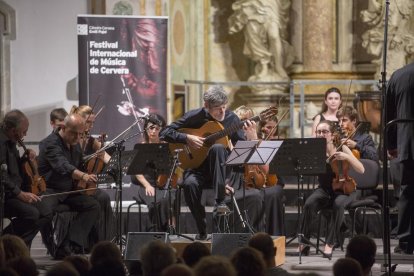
(117, 175)
(3, 171)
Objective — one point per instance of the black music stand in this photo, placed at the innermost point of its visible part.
(251, 153)
(299, 157)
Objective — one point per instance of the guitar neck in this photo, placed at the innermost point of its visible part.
(210, 139)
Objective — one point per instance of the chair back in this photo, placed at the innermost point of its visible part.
(370, 178)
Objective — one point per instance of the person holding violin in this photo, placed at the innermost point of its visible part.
(330, 106)
(24, 207)
(273, 187)
(359, 141)
(60, 162)
(325, 196)
(149, 184)
(103, 230)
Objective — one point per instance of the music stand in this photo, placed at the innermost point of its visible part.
(299, 157)
(251, 153)
(114, 171)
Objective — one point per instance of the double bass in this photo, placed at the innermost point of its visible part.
(37, 183)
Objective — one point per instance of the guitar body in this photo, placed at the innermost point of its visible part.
(191, 158)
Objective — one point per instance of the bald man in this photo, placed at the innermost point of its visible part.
(60, 160)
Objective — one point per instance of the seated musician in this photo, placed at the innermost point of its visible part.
(325, 196)
(212, 171)
(24, 207)
(60, 161)
(360, 140)
(273, 187)
(270, 186)
(104, 228)
(150, 190)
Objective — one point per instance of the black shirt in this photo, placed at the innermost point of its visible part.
(9, 155)
(57, 162)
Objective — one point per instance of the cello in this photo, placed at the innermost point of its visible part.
(37, 183)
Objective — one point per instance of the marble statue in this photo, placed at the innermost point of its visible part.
(400, 46)
(264, 24)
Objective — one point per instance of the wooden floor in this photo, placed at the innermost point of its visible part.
(313, 263)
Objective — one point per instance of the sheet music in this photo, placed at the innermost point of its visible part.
(253, 152)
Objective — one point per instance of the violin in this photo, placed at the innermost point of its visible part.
(94, 165)
(342, 182)
(37, 182)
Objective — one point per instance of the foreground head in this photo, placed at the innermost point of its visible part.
(193, 252)
(15, 125)
(346, 267)
(263, 242)
(105, 250)
(363, 249)
(215, 102)
(214, 266)
(156, 256)
(248, 261)
(14, 247)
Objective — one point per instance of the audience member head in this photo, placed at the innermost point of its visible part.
(2, 255)
(15, 125)
(214, 266)
(333, 99)
(346, 267)
(244, 112)
(14, 247)
(80, 263)
(248, 262)
(177, 270)
(215, 102)
(73, 129)
(193, 252)
(155, 256)
(7, 271)
(57, 116)
(363, 249)
(62, 269)
(105, 250)
(263, 243)
(108, 267)
(152, 127)
(23, 266)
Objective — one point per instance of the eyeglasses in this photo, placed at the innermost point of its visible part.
(322, 131)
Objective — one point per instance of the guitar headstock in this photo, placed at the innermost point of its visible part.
(268, 112)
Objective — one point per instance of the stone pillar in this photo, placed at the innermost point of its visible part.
(317, 35)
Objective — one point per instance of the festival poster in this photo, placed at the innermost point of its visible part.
(123, 68)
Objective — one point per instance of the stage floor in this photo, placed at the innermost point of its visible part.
(313, 263)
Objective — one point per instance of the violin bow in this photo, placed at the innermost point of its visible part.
(273, 129)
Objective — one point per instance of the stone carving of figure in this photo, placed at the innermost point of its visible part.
(264, 23)
(400, 35)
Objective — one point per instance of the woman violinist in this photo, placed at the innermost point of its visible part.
(103, 230)
(149, 185)
(330, 106)
(324, 196)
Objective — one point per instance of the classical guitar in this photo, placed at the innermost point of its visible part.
(214, 133)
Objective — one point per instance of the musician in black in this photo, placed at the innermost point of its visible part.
(22, 206)
(60, 157)
(212, 172)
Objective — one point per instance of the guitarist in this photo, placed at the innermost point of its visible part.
(212, 171)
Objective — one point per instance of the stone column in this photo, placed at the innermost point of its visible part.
(317, 35)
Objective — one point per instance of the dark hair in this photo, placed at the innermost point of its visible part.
(23, 266)
(248, 261)
(80, 263)
(13, 119)
(262, 123)
(155, 256)
(264, 243)
(193, 252)
(346, 267)
(329, 91)
(363, 249)
(155, 119)
(348, 111)
(103, 251)
(58, 114)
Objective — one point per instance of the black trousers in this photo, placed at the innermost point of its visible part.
(28, 218)
(104, 228)
(87, 209)
(212, 173)
(273, 209)
(406, 207)
(322, 199)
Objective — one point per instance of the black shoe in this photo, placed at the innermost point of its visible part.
(62, 252)
(326, 255)
(222, 208)
(201, 237)
(400, 250)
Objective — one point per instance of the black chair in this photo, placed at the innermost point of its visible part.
(365, 201)
(137, 202)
